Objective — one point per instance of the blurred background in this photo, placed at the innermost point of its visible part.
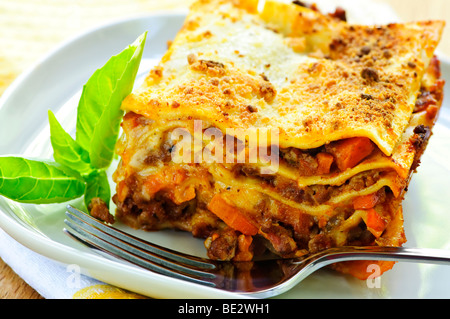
(29, 29)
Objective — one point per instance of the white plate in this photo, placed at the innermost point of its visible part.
(56, 82)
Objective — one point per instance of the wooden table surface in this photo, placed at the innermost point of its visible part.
(13, 287)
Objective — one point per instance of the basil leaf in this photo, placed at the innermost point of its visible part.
(66, 150)
(30, 181)
(99, 114)
(97, 185)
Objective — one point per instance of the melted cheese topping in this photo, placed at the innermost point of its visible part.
(225, 59)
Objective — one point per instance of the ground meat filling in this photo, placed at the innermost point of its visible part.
(156, 214)
(311, 195)
(100, 210)
(305, 161)
(282, 230)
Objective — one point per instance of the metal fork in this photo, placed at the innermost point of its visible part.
(261, 279)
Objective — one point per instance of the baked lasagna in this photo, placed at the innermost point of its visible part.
(275, 127)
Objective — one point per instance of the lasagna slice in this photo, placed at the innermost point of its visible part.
(280, 129)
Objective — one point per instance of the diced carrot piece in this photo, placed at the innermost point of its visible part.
(169, 178)
(324, 161)
(374, 222)
(366, 201)
(182, 195)
(349, 152)
(177, 177)
(323, 220)
(154, 183)
(231, 216)
(432, 111)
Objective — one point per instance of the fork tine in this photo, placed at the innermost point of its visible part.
(107, 243)
(129, 248)
(152, 248)
(107, 248)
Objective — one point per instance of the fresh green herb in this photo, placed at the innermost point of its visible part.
(66, 150)
(99, 113)
(39, 182)
(97, 185)
(79, 164)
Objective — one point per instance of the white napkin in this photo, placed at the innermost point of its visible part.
(50, 279)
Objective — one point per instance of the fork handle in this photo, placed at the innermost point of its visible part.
(401, 254)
